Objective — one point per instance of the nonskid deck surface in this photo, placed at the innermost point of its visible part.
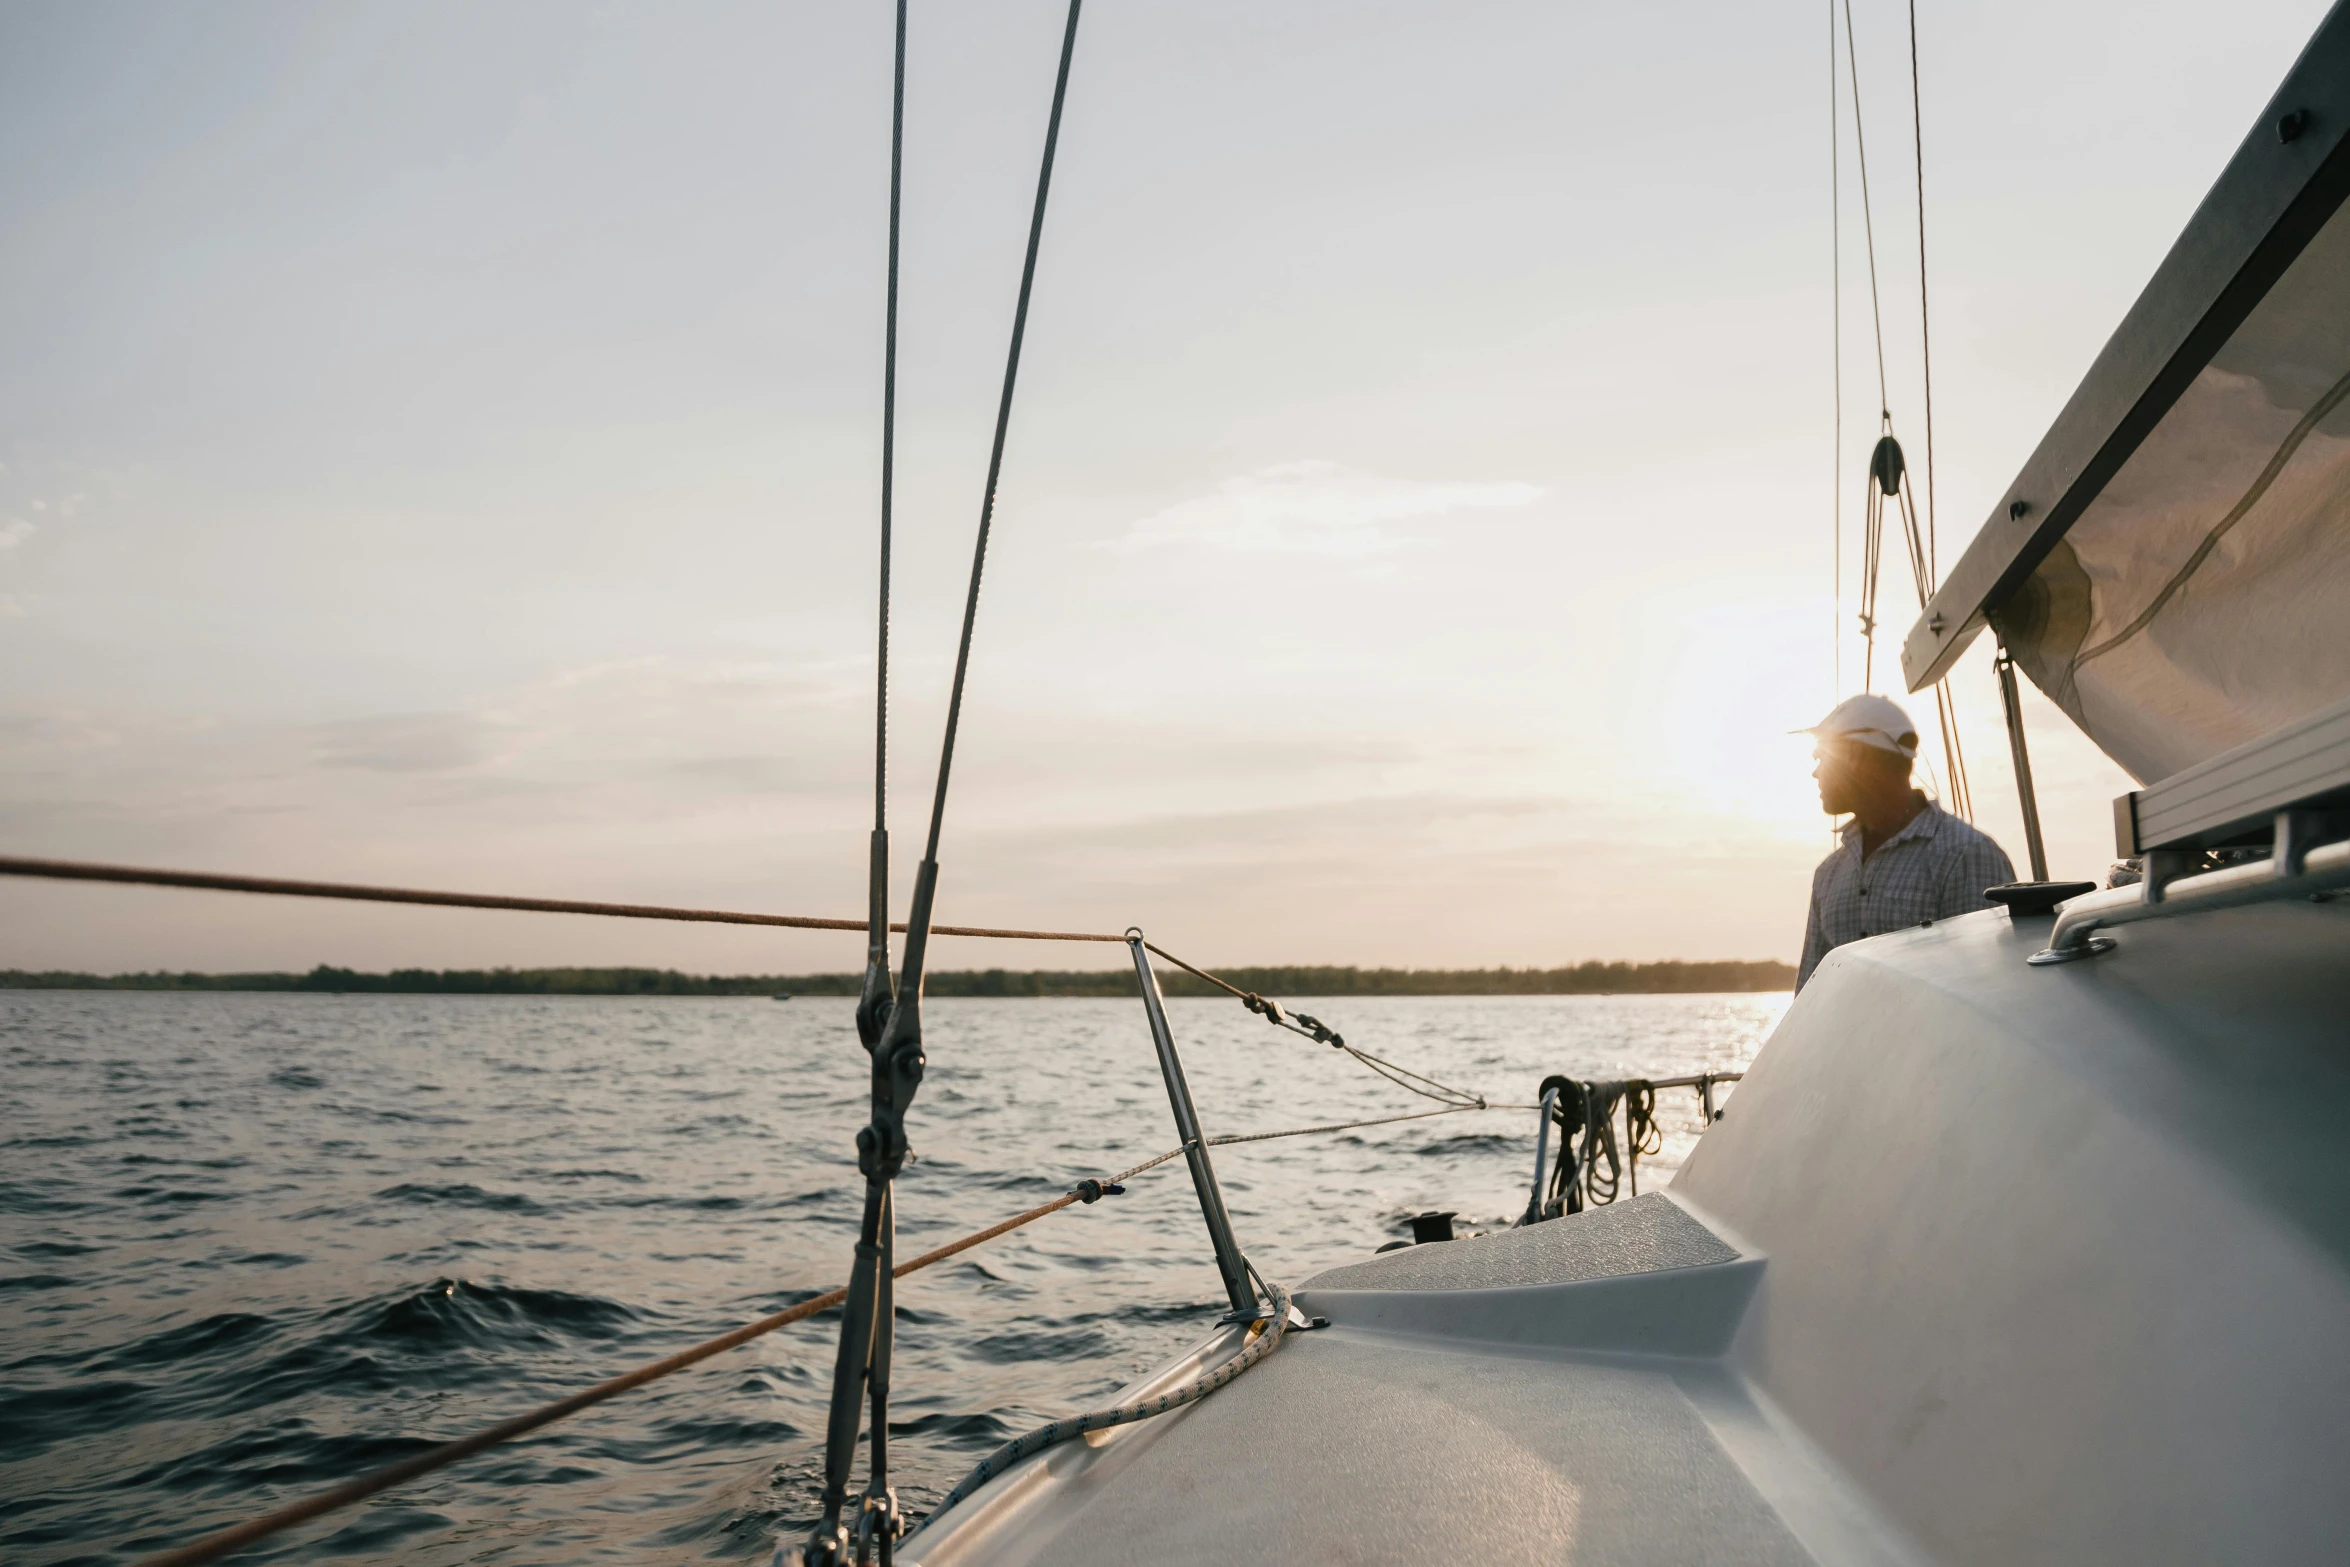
(1352, 1447)
(1645, 1234)
(1552, 1394)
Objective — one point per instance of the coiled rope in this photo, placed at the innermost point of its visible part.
(1592, 1166)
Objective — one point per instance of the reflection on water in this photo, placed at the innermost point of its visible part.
(255, 1244)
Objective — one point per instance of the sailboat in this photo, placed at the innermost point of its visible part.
(2029, 1239)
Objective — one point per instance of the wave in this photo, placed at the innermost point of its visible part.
(1470, 1143)
(1022, 1345)
(463, 1195)
(35, 1281)
(450, 1334)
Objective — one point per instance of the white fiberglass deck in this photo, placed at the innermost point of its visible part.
(1376, 1440)
(1988, 1264)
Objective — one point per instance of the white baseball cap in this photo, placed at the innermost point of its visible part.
(1869, 720)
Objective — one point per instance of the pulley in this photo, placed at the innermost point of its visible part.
(1886, 465)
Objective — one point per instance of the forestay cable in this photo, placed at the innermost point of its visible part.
(867, 1324)
(874, 1001)
(871, 1337)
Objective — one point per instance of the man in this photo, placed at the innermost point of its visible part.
(1904, 860)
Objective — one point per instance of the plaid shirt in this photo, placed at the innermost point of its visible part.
(1933, 868)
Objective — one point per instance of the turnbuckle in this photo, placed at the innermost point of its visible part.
(879, 1519)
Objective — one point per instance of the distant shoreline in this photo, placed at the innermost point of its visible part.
(1581, 979)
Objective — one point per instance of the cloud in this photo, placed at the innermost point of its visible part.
(1314, 508)
(14, 532)
(407, 742)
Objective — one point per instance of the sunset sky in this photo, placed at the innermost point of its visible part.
(439, 444)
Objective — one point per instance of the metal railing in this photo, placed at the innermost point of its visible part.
(2296, 869)
(1229, 1262)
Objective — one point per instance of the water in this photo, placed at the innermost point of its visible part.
(253, 1245)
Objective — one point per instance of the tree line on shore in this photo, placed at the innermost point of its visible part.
(1579, 979)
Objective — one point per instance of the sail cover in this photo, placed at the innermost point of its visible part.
(2202, 599)
(2172, 564)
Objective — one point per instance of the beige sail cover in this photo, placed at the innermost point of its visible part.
(2203, 599)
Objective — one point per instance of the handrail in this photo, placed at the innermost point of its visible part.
(2289, 874)
(1694, 1080)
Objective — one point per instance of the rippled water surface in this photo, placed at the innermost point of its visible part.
(253, 1244)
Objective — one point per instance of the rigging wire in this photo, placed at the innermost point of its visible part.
(879, 994)
(889, 428)
(1885, 462)
(868, 1324)
(1868, 222)
(1836, 357)
(1917, 122)
(1346, 1126)
(1314, 1029)
(872, 1281)
(1929, 573)
(1003, 421)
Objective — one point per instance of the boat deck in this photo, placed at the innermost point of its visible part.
(1551, 1394)
(1989, 1263)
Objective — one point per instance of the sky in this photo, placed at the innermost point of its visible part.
(440, 444)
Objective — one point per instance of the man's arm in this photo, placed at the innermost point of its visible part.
(1815, 940)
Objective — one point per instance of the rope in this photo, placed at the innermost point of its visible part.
(1314, 1029)
(143, 876)
(1409, 1081)
(1884, 477)
(214, 1546)
(1264, 1337)
(1592, 1167)
(1872, 549)
(205, 881)
(1344, 1126)
(222, 1543)
(1642, 1135)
